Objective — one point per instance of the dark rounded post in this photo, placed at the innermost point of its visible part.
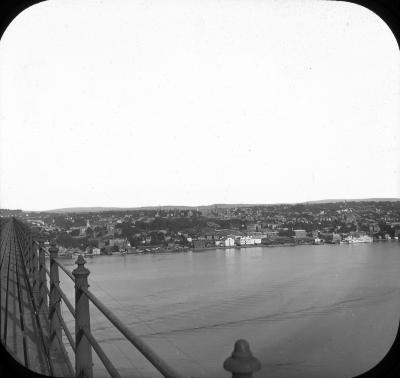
(242, 364)
(54, 305)
(43, 304)
(83, 354)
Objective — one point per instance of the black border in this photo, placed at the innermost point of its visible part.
(389, 12)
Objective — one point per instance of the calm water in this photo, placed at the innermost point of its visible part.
(307, 311)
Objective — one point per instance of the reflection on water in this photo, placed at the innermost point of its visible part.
(307, 311)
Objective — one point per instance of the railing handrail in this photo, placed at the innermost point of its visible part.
(151, 356)
(65, 270)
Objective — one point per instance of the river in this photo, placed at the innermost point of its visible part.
(307, 311)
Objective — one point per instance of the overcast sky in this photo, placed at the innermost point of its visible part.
(136, 103)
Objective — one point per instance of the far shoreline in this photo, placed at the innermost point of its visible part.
(214, 248)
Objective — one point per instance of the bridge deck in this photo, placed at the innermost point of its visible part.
(24, 331)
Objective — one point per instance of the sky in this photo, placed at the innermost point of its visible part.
(141, 103)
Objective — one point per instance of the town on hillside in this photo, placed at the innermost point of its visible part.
(177, 229)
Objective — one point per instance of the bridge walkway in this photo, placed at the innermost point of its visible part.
(24, 330)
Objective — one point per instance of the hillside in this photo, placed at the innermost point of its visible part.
(102, 209)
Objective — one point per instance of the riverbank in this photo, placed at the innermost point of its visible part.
(246, 246)
(273, 245)
(154, 251)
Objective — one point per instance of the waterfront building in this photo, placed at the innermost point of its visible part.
(298, 234)
(331, 237)
(199, 243)
(246, 240)
(229, 242)
(271, 235)
(117, 242)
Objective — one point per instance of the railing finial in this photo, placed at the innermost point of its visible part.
(242, 363)
(80, 269)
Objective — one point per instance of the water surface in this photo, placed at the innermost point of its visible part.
(307, 311)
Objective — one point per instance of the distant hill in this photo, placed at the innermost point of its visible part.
(354, 200)
(219, 205)
(84, 209)
(169, 207)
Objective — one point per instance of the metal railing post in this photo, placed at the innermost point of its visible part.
(27, 254)
(30, 255)
(83, 354)
(35, 272)
(242, 363)
(43, 303)
(54, 305)
(24, 249)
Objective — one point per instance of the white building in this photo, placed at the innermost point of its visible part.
(96, 251)
(229, 242)
(246, 240)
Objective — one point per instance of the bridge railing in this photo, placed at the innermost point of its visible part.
(241, 363)
(32, 257)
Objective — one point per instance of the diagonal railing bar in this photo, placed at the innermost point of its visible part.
(65, 299)
(63, 349)
(66, 331)
(157, 362)
(104, 359)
